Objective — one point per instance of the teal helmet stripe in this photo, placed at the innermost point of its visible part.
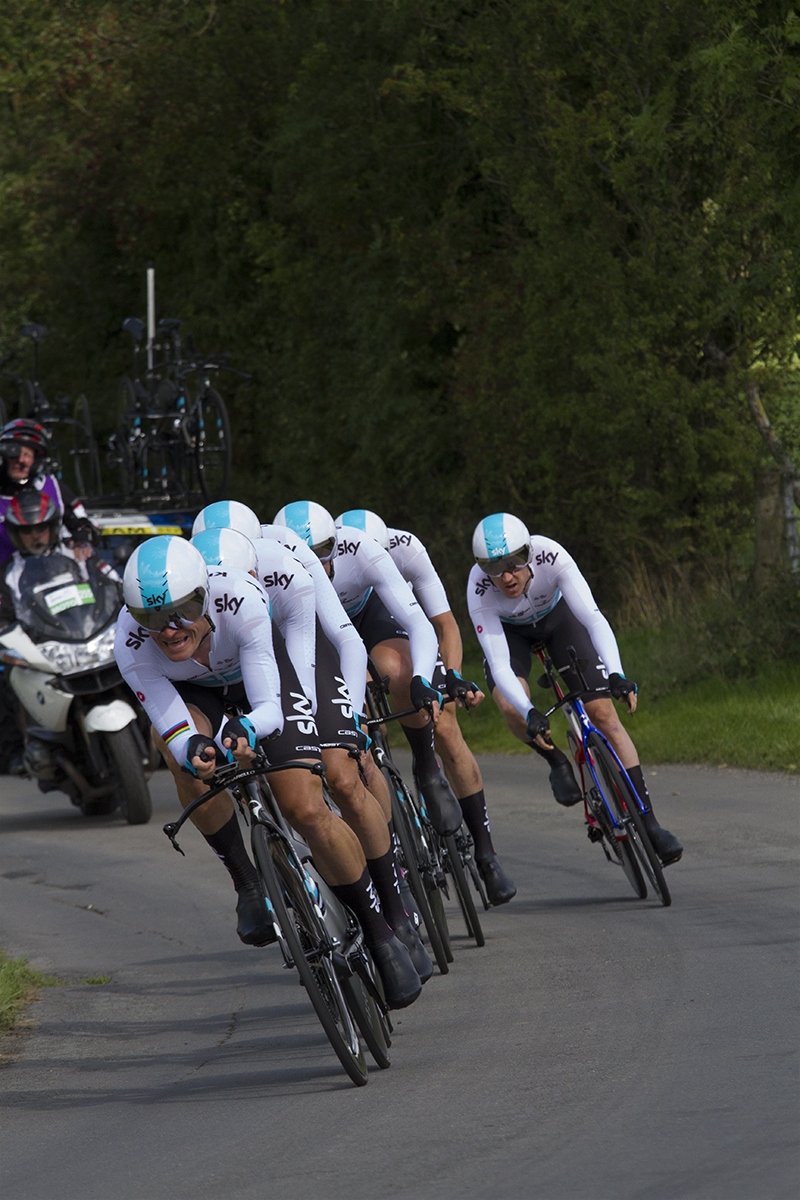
(494, 534)
(151, 569)
(208, 543)
(297, 516)
(355, 517)
(217, 515)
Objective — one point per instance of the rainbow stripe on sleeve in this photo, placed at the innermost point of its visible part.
(176, 731)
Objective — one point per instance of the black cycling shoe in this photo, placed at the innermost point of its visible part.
(444, 811)
(255, 927)
(408, 901)
(401, 983)
(665, 844)
(565, 786)
(407, 934)
(500, 887)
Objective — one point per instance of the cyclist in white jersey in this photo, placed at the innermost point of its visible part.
(193, 646)
(292, 594)
(396, 632)
(526, 591)
(414, 564)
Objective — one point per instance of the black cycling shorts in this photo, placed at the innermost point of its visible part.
(299, 737)
(554, 633)
(334, 706)
(376, 624)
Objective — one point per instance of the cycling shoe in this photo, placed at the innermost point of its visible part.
(407, 934)
(500, 887)
(665, 844)
(444, 811)
(255, 928)
(401, 983)
(565, 786)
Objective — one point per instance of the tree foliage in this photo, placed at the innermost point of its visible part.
(477, 256)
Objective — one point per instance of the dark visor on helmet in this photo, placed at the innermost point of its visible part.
(325, 550)
(182, 613)
(509, 562)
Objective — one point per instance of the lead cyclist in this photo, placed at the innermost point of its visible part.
(525, 591)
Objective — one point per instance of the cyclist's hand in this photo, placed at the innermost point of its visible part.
(201, 756)
(82, 551)
(539, 730)
(425, 696)
(623, 689)
(240, 740)
(461, 690)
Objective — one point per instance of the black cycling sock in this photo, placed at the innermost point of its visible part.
(228, 846)
(383, 871)
(362, 897)
(477, 820)
(637, 779)
(553, 758)
(421, 743)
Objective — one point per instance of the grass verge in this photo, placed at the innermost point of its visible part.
(19, 985)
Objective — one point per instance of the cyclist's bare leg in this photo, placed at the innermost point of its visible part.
(458, 760)
(358, 807)
(377, 785)
(335, 847)
(515, 722)
(393, 658)
(604, 715)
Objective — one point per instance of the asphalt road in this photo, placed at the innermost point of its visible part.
(597, 1047)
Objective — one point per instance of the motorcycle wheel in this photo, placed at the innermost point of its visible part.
(126, 762)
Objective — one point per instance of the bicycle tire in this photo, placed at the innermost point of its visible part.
(212, 444)
(454, 866)
(88, 479)
(609, 813)
(302, 932)
(121, 452)
(638, 841)
(409, 856)
(366, 1013)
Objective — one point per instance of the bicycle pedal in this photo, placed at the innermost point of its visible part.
(594, 833)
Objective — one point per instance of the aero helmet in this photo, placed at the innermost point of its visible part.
(226, 548)
(166, 583)
(228, 514)
(370, 522)
(501, 543)
(313, 523)
(31, 509)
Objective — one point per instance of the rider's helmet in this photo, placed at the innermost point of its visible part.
(24, 432)
(228, 514)
(501, 543)
(370, 522)
(313, 523)
(226, 548)
(29, 511)
(166, 583)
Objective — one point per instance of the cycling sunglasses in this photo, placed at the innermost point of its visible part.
(181, 614)
(509, 562)
(325, 550)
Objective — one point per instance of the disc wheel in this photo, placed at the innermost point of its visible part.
(211, 434)
(307, 946)
(642, 860)
(455, 845)
(411, 854)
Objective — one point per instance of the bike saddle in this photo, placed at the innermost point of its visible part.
(167, 324)
(35, 332)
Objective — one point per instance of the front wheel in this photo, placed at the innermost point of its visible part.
(454, 846)
(133, 794)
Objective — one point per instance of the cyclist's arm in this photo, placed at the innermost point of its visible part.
(380, 572)
(293, 611)
(253, 635)
(340, 631)
(578, 595)
(448, 636)
(166, 710)
(489, 629)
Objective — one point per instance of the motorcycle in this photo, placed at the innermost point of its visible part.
(84, 735)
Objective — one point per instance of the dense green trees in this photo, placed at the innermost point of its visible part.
(514, 255)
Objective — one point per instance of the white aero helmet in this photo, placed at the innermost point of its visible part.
(228, 514)
(226, 548)
(165, 583)
(313, 523)
(501, 543)
(370, 522)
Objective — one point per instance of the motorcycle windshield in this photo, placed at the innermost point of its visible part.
(56, 602)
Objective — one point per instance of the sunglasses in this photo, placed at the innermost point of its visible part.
(325, 550)
(509, 562)
(181, 614)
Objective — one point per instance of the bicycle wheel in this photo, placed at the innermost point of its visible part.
(414, 860)
(456, 845)
(367, 1014)
(307, 946)
(211, 433)
(87, 461)
(120, 449)
(623, 795)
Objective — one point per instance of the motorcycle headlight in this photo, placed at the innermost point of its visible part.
(66, 657)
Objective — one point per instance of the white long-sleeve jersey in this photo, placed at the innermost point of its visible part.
(555, 578)
(240, 650)
(414, 564)
(292, 593)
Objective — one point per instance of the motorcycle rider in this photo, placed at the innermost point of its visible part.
(190, 669)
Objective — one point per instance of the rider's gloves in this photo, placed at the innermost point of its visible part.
(199, 746)
(235, 728)
(423, 695)
(537, 724)
(364, 740)
(83, 532)
(457, 687)
(620, 687)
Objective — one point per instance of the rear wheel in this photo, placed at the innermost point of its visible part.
(371, 1021)
(87, 460)
(133, 795)
(454, 845)
(211, 432)
(307, 945)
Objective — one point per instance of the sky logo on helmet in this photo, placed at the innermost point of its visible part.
(155, 601)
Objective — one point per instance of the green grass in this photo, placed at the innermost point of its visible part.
(19, 985)
(739, 722)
